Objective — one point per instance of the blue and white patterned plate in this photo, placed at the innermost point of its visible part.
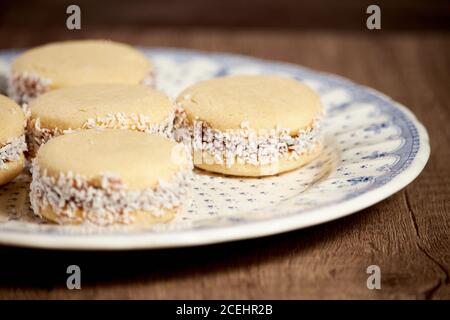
(374, 148)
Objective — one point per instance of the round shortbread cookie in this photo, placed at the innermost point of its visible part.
(263, 102)
(116, 106)
(71, 63)
(12, 140)
(250, 125)
(109, 176)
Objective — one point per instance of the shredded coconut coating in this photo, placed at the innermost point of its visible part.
(12, 150)
(36, 135)
(135, 122)
(244, 145)
(105, 204)
(23, 87)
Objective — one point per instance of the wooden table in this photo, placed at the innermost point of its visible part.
(407, 235)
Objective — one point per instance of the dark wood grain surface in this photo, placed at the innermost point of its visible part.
(268, 14)
(407, 235)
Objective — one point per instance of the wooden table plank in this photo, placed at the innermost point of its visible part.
(407, 235)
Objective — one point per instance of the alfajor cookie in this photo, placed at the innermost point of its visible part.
(109, 176)
(250, 125)
(70, 63)
(116, 106)
(12, 139)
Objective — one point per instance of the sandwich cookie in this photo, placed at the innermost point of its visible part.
(70, 63)
(12, 139)
(109, 177)
(116, 106)
(250, 125)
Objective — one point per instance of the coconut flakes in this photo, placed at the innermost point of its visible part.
(22, 87)
(36, 135)
(243, 145)
(107, 203)
(133, 121)
(12, 150)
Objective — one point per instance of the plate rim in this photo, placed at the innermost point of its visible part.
(250, 230)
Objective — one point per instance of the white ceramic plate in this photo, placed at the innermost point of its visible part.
(374, 148)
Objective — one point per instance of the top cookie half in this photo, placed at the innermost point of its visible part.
(70, 63)
(262, 102)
